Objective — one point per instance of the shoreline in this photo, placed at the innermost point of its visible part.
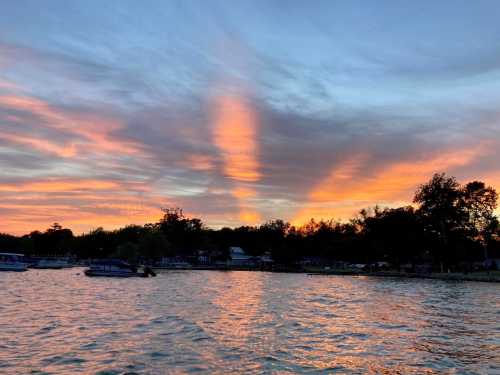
(492, 276)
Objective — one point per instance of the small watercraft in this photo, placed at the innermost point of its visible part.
(52, 263)
(116, 268)
(12, 262)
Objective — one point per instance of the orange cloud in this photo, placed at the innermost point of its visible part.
(243, 192)
(249, 217)
(60, 186)
(88, 133)
(26, 211)
(348, 188)
(78, 219)
(77, 203)
(7, 85)
(235, 135)
(199, 162)
(42, 145)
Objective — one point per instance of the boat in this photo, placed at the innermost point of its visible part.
(51, 263)
(12, 262)
(116, 268)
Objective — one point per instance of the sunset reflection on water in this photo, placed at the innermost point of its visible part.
(253, 322)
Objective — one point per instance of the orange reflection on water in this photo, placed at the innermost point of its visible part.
(247, 322)
(239, 303)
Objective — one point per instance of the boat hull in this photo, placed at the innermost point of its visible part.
(102, 273)
(13, 267)
(51, 264)
(49, 267)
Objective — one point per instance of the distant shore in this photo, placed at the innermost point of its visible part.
(484, 276)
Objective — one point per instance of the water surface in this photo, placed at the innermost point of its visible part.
(61, 322)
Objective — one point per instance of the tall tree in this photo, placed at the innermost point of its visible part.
(479, 203)
(394, 234)
(441, 212)
(184, 234)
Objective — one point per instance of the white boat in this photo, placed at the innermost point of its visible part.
(115, 268)
(52, 263)
(12, 262)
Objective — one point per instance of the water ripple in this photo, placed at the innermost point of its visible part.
(59, 322)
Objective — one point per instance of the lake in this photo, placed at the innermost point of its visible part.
(61, 322)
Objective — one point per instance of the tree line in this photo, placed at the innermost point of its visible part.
(449, 225)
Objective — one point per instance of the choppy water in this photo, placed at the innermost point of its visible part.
(61, 322)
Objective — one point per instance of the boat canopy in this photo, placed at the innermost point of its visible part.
(12, 254)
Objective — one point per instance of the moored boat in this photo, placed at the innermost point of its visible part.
(12, 262)
(52, 263)
(116, 268)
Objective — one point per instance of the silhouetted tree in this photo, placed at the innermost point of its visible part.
(456, 218)
(10, 243)
(184, 234)
(127, 251)
(394, 234)
(442, 214)
(479, 203)
(56, 240)
(272, 235)
(154, 245)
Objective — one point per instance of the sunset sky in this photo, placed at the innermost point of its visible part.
(240, 111)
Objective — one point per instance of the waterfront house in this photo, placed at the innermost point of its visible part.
(203, 258)
(238, 258)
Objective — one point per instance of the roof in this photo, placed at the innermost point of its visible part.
(236, 250)
(241, 257)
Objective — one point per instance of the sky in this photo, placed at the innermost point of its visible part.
(240, 111)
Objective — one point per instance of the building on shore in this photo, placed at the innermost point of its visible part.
(238, 258)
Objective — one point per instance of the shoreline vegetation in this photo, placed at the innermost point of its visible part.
(450, 232)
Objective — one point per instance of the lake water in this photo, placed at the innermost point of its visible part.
(62, 322)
